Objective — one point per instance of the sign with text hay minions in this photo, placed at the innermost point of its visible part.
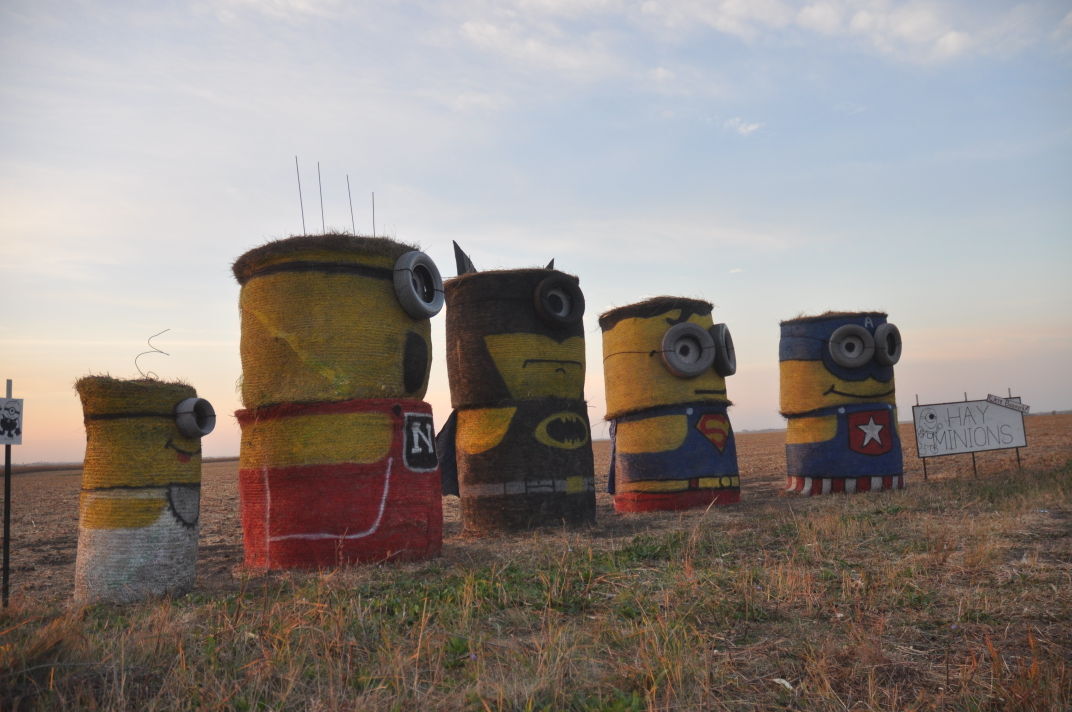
(338, 461)
(517, 449)
(141, 488)
(838, 395)
(665, 365)
(969, 426)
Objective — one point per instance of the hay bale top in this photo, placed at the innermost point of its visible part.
(833, 315)
(507, 275)
(318, 247)
(104, 394)
(653, 307)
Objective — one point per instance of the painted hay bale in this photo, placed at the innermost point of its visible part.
(313, 499)
(837, 393)
(338, 458)
(335, 317)
(141, 489)
(519, 442)
(665, 365)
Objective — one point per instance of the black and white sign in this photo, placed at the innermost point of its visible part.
(967, 426)
(418, 444)
(10, 421)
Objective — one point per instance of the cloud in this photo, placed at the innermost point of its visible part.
(229, 10)
(740, 126)
(736, 270)
(579, 57)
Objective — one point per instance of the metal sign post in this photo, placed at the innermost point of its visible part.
(10, 434)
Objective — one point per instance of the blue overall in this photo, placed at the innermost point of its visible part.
(836, 457)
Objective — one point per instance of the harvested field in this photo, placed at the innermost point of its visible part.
(953, 594)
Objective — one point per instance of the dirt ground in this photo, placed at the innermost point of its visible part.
(44, 524)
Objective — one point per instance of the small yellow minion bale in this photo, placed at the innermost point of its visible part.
(665, 365)
(338, 461)
(141, 488)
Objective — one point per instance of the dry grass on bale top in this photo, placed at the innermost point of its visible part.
(954, 594)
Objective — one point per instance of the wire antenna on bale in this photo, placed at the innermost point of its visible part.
(300, 203)
(320, 185)
(155, 350)
(374, 213)
(353, 225)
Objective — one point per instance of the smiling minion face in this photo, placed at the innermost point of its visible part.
(837, 358)
(335, 317)
(517, 335)
(664, 351)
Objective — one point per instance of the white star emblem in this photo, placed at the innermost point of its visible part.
(871, 431)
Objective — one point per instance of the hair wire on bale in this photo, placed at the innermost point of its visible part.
(154, 350)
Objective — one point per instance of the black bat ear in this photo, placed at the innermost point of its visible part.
(551, 264)
(465, 265)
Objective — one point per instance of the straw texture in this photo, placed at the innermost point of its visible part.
(139, 506)
(672, 441)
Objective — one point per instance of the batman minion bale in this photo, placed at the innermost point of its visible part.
(665, 365)
(837, 392)
(518, 447)
(141, 489)
(338, 460)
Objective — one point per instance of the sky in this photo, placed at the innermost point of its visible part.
(775, 157)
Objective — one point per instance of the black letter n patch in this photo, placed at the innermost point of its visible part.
(418, 446)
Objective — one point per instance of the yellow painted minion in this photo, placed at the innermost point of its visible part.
(665, 365)
(837, 391)
(141, 485)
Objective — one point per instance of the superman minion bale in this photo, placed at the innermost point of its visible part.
(141, 489)
(837, 392)
(665, 365)
(338, 461)
(518, 447)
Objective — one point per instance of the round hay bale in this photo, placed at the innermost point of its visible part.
(141, 485)
(328, 484)
(672, 442)
(837, 392)
(323, 319)
(516, 364)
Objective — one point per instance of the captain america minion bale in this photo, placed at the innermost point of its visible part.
(517, 449)
(665, 365)
(837, 392)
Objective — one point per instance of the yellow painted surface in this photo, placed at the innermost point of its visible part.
(576, 484)
(333, 256)
(481, 429)
(635, 377)
(678, 485)
(314, 336)
(718, 482)
(121, 509)
(810, 430)
(318, 439)
(537, 366)
(658, 434)
(134, 452)
(806, 386)
(544, 427)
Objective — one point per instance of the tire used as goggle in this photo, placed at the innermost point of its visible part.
(558, 300)
(195, 417)
(418, 285)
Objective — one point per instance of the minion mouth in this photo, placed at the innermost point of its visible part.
(709, 392)
(559, 369)
(833, 390)
(183, 455)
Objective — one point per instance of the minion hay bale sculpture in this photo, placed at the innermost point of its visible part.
(141, 489)
(338, 461)
(665, 365)
(517, 448)
(837, 392)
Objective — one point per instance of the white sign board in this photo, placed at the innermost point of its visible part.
(966, 426)
(10, 421)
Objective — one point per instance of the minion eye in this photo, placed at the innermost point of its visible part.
(195, 417)
(559, 300)
(418, 285)
(687, 350)
(725, 355)
(851, 346)
(887, 344)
